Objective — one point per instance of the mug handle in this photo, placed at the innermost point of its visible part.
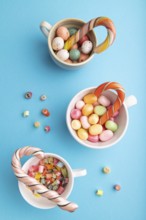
(130, 101)
(79, 172)
(45, 28)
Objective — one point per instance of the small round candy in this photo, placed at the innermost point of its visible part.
(117, 187)
(82, 134)
(28, 95)
(76, 124)
(86, 47)
(93, 138)
(84, 38)
(26, 113)
(75, 46)
(57, 43)
(93, 119)
(111, 125)
(63, 33)
(84, 122)
(95, 129)
(75, 113)
(83, 57)
(43, 97)
(37, 124)
(80, 104)
(106, 170)
(68, 61)
(99, 110)
(87, 109)
(72, 30)
(106, 135)
(63, 54)
(47, 128)
(74, 54)
(103, 100)
(90, 98)
(99, 192)
(45, 112)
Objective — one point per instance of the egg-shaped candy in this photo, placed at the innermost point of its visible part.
(95, 129)
(111, 125)
(57, 43)
(75, 46)
(76, 124)
(84, 38)
(93, 138)
(75, 113)
(87, 109)
(63, 33)
(106, 135)
(93, 119)
(84, 122)
(103, 100)
(86, 47)
(99, 110)
(83, 57)
(68, 61)
(72, 30)
(74, 54)
(63, 54)
(80, 104)
(90, 98)
(82, 134)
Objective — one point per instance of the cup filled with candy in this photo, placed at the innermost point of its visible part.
(98, 117)
(45, 180)
(72, 42)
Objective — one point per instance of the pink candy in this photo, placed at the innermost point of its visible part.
(84, 122)
(75, 114)
(93, 138)
(41, 169)
(60, 190)
(106, 135)
(103, 100)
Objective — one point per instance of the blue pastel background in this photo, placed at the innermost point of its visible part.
(25, 65)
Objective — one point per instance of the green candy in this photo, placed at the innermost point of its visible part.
(72, 30)
(99, 110)
(111, 125)
(74, 54)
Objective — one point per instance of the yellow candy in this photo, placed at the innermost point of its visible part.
(95, 129)
(76, 124)
(99, 192)
(82, 134)
(93, 119)
(87, 109)
(38, 176)
(90, 98)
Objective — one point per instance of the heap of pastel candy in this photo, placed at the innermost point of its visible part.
(79, 51)
(94, 117)
(50, 172)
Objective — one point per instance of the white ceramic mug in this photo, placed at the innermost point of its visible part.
(122, 119)
(42, 202)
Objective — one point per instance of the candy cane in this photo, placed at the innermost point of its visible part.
(100, 21)
(118, 103)
(33, 184)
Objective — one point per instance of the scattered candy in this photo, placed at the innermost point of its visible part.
(37, 124)
(111, 125)
(43, 97)
(74, 54)
(63, 54)
(76, 124)
(106, 170)
(72, 30)
(53, 176)
(99, 192)
(117, 187)
(45, 112)
(63, 32)
(57, 43)
(86, 47)
(28, 95)
(47, 128)
(26, 113)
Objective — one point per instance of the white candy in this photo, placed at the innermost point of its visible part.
(103, 100)
(58, 43)
(86, 47)
(26, 113)
(63, 54)
(84, 122)
(80, 104)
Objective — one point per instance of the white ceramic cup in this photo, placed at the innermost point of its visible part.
(42, 202)
(122, 119)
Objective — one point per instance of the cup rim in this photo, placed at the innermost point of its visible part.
(69, 169)
(83, 143)
(54, 55)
